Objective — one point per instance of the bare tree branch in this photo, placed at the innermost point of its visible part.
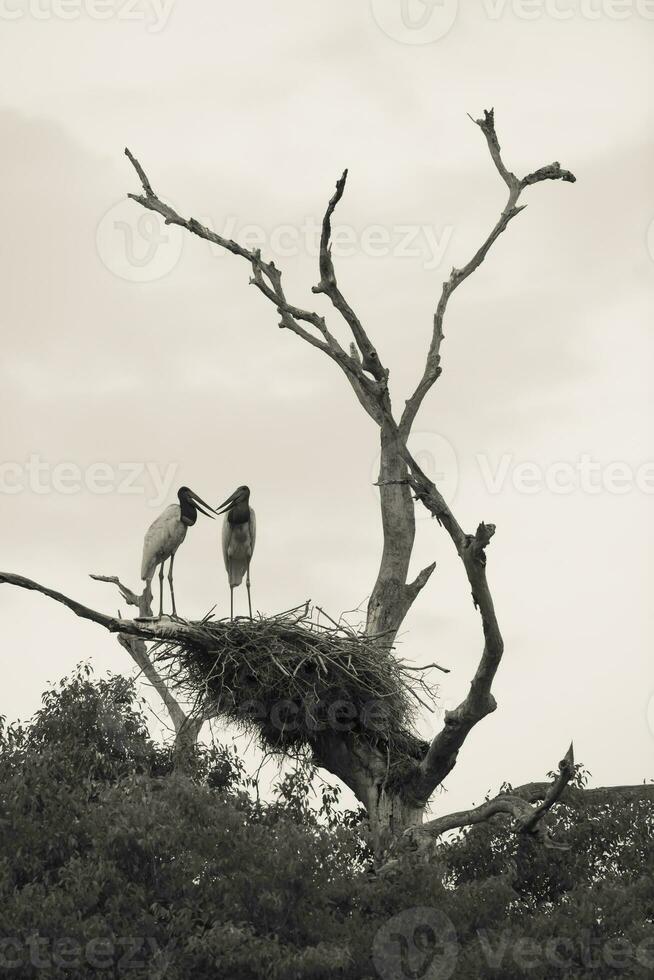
(131, 636)
(163, 628)
(526, 819)
(552, 171)
(138, 651)
(576, 798)
(479, 702)
(131, 598)
(512, 806)
(391, 597)
(328, 285)
(553, 794)
(420, 581)
(268, 280)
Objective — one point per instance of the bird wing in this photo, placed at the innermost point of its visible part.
(227, 533)
(238, 546)
(162, 538)
(253, 530)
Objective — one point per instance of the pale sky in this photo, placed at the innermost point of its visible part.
(129, 351)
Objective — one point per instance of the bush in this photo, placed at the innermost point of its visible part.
(113, 864)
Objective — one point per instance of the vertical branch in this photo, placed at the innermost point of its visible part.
(186, 727)
(552, 171)
(392, 597)
(369, 357)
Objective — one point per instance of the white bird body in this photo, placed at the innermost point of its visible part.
(238, 547)
(162, 539)
(238, 539)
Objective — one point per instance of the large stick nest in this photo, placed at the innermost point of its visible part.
(290, 677)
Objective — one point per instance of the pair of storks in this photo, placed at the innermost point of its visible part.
(165, 535)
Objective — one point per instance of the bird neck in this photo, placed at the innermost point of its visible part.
(188, 513)
(240, 513)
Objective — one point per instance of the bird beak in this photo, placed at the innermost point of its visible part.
(227, 504)
(200, 505)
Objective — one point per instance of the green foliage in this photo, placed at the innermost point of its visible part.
(114, 864)
(596, 899)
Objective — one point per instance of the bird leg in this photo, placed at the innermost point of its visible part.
(170, 582)
(231, 602)
(247, 586)
(161, 578)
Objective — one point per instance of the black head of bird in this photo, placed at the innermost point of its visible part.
(237, 506)
(190, 504)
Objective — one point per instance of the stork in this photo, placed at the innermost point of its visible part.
(239, 536)
(164, 536)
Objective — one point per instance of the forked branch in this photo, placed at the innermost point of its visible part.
(328, 285)
(526, 818)
(552, 171)
(137, 649)
(131, 634)
(267, 278)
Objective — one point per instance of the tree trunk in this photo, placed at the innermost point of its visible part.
(186, 740)
(364, 769)
(390, 599)
(390, 815)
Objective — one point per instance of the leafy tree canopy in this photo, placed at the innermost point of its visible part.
(112, 863)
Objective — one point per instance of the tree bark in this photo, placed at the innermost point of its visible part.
(390, 601)
(391, 810)
(390, 817)
(186, 727)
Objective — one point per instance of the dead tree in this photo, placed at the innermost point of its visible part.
(397, 810)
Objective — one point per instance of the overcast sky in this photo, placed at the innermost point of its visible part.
(128, 345)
